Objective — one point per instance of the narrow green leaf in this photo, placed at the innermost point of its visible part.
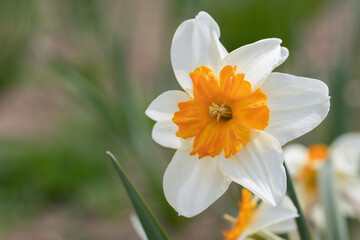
(336, 227)
(300, 221)
(151, 226)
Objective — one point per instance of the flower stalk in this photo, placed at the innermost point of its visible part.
(300, 221)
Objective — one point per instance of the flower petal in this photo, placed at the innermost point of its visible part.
(164, 133)
(166, 104)
(295, 157)
(196, 43)
(191, 184)
(283, 227)
(257, 60)
(267, 216)
(349, 189)
(135, 222)
(297, 105)
(258, 167)
(345, 153)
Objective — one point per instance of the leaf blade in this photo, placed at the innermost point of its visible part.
(151, 226)
(336, 227)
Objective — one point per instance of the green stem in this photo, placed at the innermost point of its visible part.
(300, 221)
(268, 235)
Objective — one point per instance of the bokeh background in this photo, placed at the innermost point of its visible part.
(76, 77)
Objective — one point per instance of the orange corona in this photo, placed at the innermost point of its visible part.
(222, 112)
(308, 175)
(246, 212)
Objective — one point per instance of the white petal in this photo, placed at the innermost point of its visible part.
(257, 60)
(297, 105)
(135, 222)
(166, 104)
(295, 157)
(259, 167)
(349, 189)
(345, 153)
(283, 227)
(196, 43)
(267, 215)
(164, 133)
(191, 184)
(317, 216)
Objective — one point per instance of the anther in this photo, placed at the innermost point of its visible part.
(222, 111)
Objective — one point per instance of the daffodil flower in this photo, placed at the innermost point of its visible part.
(261, 218)
(305, 164)
(231, 120)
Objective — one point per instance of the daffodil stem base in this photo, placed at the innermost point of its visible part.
(300, 221)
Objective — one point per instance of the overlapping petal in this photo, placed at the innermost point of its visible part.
(297, 105)
(192, 184)
(164, 133)
(257, 60)
(258, 167)
(283, 227)
(162, 109)
(196, 43)
(166, 104)
(276, 218)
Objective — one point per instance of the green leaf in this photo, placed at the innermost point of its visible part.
(336, 227)
(151, 226)
(300, 221)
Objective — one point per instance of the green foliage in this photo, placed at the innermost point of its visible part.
(151, 226)
(336, 226)
(300, 221)
(36, 174)
(245, 21)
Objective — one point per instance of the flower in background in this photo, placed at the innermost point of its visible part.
(135, 222)
(262, 219)
(232, 119)
(305, 164)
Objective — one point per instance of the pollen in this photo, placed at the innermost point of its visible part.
(247, 209)
(222, 112)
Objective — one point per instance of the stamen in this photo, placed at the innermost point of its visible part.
(223, 111)
(229, 218)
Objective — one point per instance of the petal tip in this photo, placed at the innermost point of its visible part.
(147, 113)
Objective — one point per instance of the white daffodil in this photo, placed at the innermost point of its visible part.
(305, 164)
(261, 219)
(232, 119)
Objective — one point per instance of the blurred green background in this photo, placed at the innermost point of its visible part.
(76, 77)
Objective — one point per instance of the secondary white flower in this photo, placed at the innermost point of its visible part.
(135, 222)
(263, 218)
(232, 119)
(305, 164)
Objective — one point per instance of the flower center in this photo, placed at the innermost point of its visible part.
(247, 209)
(222, 113)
